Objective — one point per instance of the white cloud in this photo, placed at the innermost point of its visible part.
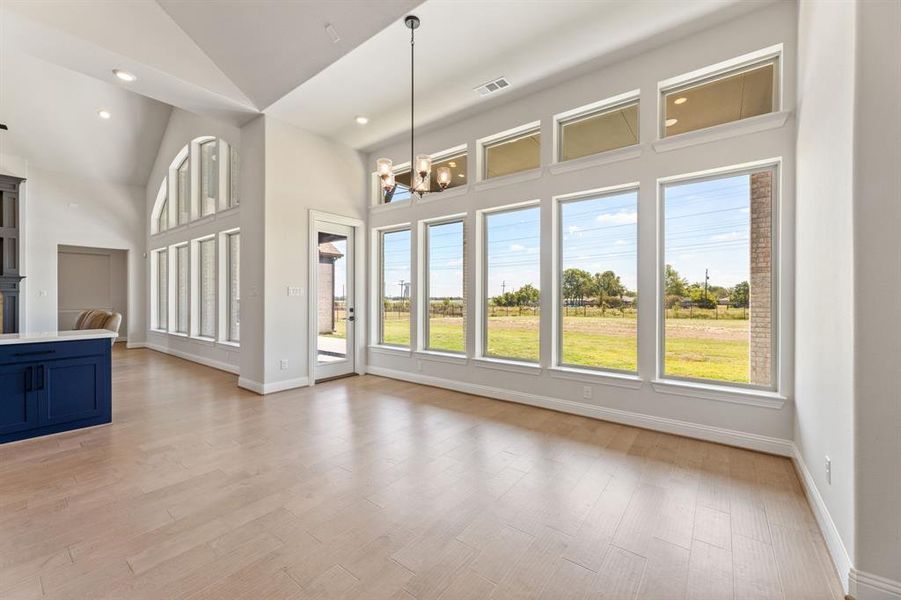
(623, 217)
(732, 236)
(620, 243)
(517, 247)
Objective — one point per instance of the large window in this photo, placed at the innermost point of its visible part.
(446, 298)
(723, 98)
(233, 278)
(234, 191)
(162, 222)
(183, 190)
(508, 155)
(209, 177)
(181, 288)
(717, 279)
(394, 308)
(598, 131)
(599, 281)
(162, 290)
(206, 305)
(512, 280)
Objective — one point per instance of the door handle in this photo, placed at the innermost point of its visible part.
(40, 378)
(351, 318)
(29, 379)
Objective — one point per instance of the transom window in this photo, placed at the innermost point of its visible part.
(598, 131)
(512, 154)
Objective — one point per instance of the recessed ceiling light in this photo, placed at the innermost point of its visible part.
(461, 175)
(680, 100)
(104, 114)
(361, 120)
(125, 75)
(452, 164)
(671, 122)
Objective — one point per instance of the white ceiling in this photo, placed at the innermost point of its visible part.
(462, 44)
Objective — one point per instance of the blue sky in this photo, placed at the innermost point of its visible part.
(706, 226)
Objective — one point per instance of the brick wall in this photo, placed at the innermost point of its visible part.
(326, 295)
(761, 278)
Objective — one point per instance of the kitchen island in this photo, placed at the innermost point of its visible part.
(54, 381)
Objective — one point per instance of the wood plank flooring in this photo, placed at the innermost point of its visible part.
(368, 488)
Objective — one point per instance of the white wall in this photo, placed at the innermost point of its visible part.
(303, 171)
(91, 278)
(824, 274)
(749, 424)
(183, 127)
(877, 267)
(62, 209)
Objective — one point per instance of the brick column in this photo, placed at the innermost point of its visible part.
(761, 302)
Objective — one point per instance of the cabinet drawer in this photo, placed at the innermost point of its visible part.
(43, 351)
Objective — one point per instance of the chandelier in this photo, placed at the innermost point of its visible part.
(421, 167)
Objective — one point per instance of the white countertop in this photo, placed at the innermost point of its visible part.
(55, 336)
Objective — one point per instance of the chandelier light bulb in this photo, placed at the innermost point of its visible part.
(443, 177)
(423, 165)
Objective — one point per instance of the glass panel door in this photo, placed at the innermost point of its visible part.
(335, 317)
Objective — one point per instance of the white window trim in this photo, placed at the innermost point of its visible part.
(377, 291)
(588, 111)
(718, 71)
(508, 135)
(173, 289)
(155, 291)
(716, 388)
(196, 316)
(481, 285)
(222, 286)
(422, 294)
(557, 363)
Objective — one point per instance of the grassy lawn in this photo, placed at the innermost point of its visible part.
(698, 348)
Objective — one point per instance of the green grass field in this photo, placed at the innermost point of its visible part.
(699, 348)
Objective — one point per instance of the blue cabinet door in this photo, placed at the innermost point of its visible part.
(73, 389)
(18, 399)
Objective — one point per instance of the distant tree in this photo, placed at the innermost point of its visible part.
(527, 295)
(674, 283)
(607, 286)
(741, 295)
(576, 284)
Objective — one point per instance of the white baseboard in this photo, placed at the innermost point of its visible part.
(209, 362)
(840, 558)
(133, 345)
(866, 586)
(720, 435)
(271, 388)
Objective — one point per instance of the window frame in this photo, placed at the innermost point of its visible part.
(173, 289)
(482, 259)
(215, 161)
(223, 278)
(716, 72)
(557, 275)
(380, 282)
(184, 205)
(775, 167)
(423, 342)
(497, 139)
(196, 285)
(595, 109)
(157, 323)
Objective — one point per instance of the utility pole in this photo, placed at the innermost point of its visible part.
(503, 287)
(706, 279)
(403, 290)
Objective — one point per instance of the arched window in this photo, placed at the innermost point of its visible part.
(194, 267)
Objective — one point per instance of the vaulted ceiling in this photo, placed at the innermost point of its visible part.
(233, 60)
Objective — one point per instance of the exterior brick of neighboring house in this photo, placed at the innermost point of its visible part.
(328, 254)
(761, 301)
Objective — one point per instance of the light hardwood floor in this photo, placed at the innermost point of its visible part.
(370, 488)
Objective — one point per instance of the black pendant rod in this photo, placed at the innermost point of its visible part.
(412, 107)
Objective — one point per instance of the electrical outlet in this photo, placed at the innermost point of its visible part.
(828, 470)
(283, 365)
(586, 392)
(294, 290)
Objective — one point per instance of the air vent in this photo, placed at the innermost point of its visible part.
(493, 86)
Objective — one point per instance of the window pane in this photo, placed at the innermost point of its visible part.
(736, 96)
(599, 279)
(163, 220)
(234, 192)
(209, 177)
(513, 276)
(457, 166)
(512, 156)
(207, 306)
(181, 289)
(447, 306)
(234, 288)
(184, 191)
(162, 287)
(395, 301)
(599, 132)
(718, 279)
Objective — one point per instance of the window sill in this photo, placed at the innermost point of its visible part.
(512, 366)
(228, 344)
(207, 341)
(453, 192)
(596, 160)
(721, 132)
(625, 380)
(496, 182)
(154, 330)
(179, 334)
(390, 350)
(720, 392)
(445, 357)
(377, 208)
